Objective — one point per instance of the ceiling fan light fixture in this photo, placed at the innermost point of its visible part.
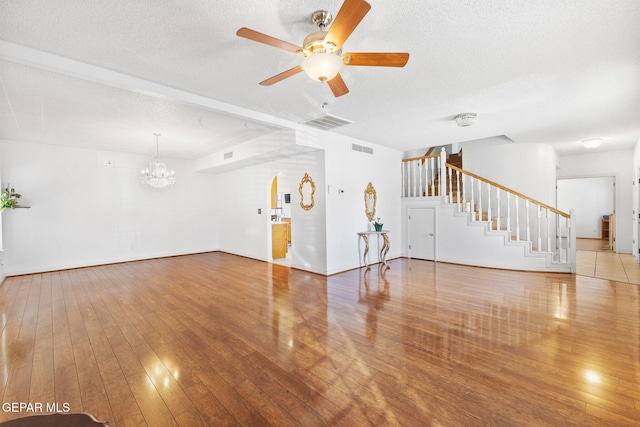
(322, 66)
(322, 49)
(465, 119)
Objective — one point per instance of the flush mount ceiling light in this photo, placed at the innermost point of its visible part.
(465, 119)
(591, 142)
(157, 175)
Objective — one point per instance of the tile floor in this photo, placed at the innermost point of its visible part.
(595, 259)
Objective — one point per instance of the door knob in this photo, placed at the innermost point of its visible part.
(430, 234)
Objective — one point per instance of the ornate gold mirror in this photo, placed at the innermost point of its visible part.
(307, 189)
(370, 201)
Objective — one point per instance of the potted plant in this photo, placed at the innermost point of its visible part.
(377, 224)
(9, 198)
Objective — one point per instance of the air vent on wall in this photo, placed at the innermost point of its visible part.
(228, 155)
(361, 148)
(328, 122)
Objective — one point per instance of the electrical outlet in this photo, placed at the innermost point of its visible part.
(259, 211)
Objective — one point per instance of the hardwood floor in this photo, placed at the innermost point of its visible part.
(216, 339)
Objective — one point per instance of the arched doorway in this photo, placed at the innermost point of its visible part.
(280, 220)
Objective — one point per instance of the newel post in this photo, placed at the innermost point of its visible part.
(443, 173)
(571, 240)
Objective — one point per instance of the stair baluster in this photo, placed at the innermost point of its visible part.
(473, 203)
(526, 208)
(489, 207)
(464, 194)
(410, 179)
(509, 214)
(539, 235)
(431, 177)
(548, 231)
(458, 190)
(559, 240)
(498, 208)
(480, 200)
(415, 179)
(450, 188)
(420, 172)
(515, 199)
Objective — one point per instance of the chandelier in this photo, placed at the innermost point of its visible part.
(157, 175)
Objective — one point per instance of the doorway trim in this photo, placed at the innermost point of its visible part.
(435, 229)
(616, 179)
(285, 183)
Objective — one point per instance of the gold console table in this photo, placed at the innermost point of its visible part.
(382, 251)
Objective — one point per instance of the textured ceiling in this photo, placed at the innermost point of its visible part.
(552, 71)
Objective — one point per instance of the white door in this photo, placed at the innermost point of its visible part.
(422, 233)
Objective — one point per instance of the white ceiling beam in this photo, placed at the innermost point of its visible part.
(35, 58)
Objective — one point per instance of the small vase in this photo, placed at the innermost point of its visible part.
(378, 227)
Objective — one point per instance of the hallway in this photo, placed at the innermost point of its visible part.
(595, 259)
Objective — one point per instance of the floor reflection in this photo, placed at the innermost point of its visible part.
(281, 304)
(374, 295)
(296, 297)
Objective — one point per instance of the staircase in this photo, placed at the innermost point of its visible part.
(487, 224)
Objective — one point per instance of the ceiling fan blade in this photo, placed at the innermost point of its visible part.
(283, 75)
(347, 19)
(376, 59)
(338, 86)
(271, 41)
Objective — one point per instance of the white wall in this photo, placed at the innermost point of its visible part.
(351, 171)
(591, 198)
(88, 207)
(529, 169)
(324, 238)
(611, 163)
(243, 231)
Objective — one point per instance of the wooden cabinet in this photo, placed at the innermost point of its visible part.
(604, 229)
(612, 231)
(608, 230)
(279, 239)
(274, 193)
(288, 222)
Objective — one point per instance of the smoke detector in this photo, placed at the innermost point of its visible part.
(465, 119)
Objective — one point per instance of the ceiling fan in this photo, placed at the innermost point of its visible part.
(322, 49)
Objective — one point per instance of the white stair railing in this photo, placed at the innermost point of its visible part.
(546, 228)
(535, 222)
(420, 176)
